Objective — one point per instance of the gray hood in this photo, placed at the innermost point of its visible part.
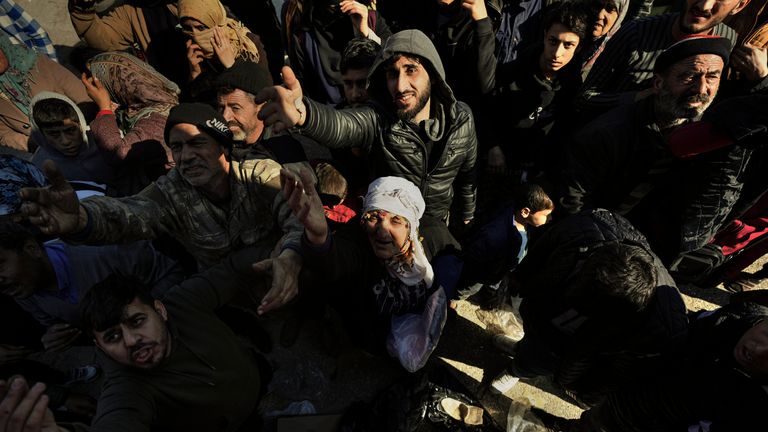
(414, 42)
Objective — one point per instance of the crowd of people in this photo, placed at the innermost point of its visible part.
(195, 165)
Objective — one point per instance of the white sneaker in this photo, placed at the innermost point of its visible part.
(504, 382)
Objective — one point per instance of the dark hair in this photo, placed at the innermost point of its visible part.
(569, 14)
(52, 112)
(534, 197)
(618, 276)
(102, 306)
(14, 236)
(360, 53)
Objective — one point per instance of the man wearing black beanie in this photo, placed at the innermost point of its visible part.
(236, 88)
(622, 161)
(211, 204)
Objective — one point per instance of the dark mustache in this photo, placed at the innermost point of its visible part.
(139, 346)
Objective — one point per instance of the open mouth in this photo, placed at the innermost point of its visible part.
(143, 354)
(404, 99)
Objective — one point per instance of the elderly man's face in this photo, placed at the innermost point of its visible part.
(241, 111)
(702, 15)
(751, 352)
(141, 338)
(200, 159)
(687, 89)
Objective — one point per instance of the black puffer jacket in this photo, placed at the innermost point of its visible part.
(703, 384)
(598, 341)
(395, 148)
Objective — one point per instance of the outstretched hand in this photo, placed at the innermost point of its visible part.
(283, 105)
(285, 270)
(301, 196)
(55, 209)
(25, 409)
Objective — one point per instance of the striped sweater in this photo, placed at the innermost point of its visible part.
(626, 65)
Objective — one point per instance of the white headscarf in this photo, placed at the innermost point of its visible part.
(401, 197)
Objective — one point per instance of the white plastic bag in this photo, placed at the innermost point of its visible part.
(413, 337)
(520, 418)
(504, 320)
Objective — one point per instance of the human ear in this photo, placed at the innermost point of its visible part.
(525, 212)
(160, 309)
(740, 7)
(658, 81)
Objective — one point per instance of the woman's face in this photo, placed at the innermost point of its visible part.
(387, 233)
(606, 18)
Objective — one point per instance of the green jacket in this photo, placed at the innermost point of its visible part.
(256, 215)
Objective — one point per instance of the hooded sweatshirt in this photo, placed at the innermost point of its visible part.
(437, 155)
(89, 169)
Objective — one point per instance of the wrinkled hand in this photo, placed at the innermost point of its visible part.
(476, 7)
(301, 196)
(497, 162)
(195, 58)
(223, 48)
(25, 409)
(285, 270)
(358, 13)
(55, 209)
(59, 337)
(284, 106)
(750, 61)
(97, 92)
(12, 353)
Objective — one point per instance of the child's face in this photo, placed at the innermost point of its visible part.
(66, 138)
(559, 47)
(538, 218)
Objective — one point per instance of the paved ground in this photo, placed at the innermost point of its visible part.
(331, 382)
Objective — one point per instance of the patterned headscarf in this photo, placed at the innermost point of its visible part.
(399, 196)
(136, 86)
(212, 14)
(14, 84)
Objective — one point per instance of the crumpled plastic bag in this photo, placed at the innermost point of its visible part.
(520, 418)
(413, 337)
(503, 320)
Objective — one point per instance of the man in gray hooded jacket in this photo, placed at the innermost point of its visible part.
(413, 127)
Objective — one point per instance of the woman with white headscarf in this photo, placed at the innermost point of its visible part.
(377, 275)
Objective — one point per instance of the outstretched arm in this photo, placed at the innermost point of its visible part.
(284, 106)
(55, 209)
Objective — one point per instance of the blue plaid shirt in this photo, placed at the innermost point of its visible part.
(22, 27)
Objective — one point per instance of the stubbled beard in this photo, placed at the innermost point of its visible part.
(672, 111)
(239, 134)
(407, 115)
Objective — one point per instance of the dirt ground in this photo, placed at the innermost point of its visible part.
(331, 382)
